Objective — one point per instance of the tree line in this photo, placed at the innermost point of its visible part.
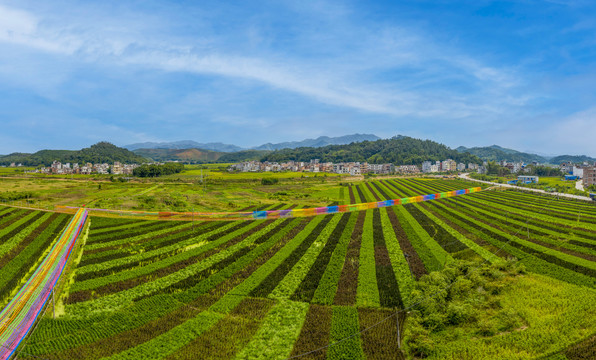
(154, 170)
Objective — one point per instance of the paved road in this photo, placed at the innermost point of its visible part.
(19, 316)
(579, 185)
(570, 196)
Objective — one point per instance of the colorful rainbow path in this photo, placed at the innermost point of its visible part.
(18, 317)
(267, 214)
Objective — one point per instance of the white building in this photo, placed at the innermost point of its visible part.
(578, 171)
(427, 166)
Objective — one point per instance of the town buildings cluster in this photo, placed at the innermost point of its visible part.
(585, 171)
(446, 166)
(352, 168)
(315, 166)
(87, 169)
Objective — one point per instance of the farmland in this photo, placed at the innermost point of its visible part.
(491, 274)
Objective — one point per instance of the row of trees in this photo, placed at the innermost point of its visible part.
(154, 170)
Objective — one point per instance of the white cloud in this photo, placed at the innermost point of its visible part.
(340, 81)
(574, 134)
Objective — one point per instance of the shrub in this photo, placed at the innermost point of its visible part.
(269, 181)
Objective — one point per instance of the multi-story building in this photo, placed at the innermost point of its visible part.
(448, 165)
(589, 176)
(427, 166)
(461, 167)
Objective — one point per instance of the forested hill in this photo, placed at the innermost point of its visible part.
(497, 153)
(102, 152)
(576, 159)
(401, 150)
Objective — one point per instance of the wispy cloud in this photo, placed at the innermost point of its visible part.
(288, 68)
(342, 85)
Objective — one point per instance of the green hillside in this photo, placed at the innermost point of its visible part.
(572, 158)
(102, 152)
(401, 150)
(497, 153)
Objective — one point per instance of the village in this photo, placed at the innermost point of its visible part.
(57, 168)
(358, 168)
(571, 171)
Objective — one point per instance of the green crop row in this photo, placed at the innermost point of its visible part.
(22, 232)
(111, 224)
(8, 233)
(542, 222)
(485, 254)
(119, 234)
(344, 335)
(288, 285)
(173, 340)
(399, 263)
(263, 241)
(279, 331)
(143, 256)
(272, 281)
(11, 216)
(575, 263)
(136, 238)
(120, 299)
(530, 258)
(327, 286)
(368, 293)
(152, 267)
(510, 220)
(67, 333)
(13, 272)
(235, 296)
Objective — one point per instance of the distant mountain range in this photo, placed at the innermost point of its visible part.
(185, 144)
(183, 155)
(400, 150)
(220, 147)
(319, 142)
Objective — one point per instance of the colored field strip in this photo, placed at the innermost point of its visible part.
(274, 214)
(17, 318)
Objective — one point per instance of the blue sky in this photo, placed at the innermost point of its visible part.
(520, 74)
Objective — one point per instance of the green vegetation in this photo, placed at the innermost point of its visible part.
(497, 153)
(575, 159)
(400, 150)
(102, 152)
(155, 170)
(494, 274)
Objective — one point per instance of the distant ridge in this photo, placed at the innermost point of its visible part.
(319, 142)
(185, 144)
(221, 147)
(182, 155)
